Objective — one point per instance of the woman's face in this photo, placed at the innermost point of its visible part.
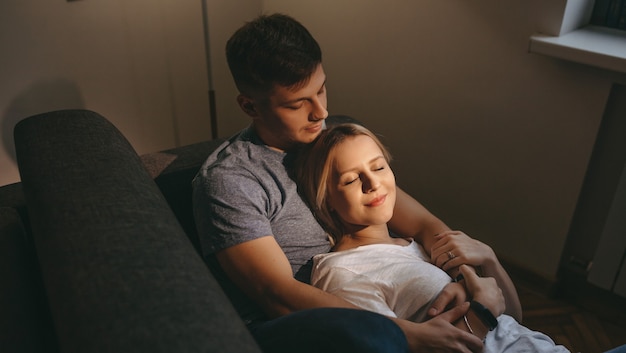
(362, 187)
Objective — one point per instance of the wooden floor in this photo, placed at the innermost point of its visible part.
(589, 323)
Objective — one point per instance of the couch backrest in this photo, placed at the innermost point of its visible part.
(119, 271)
(173, 170)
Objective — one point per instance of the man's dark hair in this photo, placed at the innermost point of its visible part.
(272, 49)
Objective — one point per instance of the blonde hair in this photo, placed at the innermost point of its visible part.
(314, 173)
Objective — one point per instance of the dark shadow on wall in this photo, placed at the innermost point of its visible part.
(42, 96)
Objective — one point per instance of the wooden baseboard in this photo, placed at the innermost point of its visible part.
(574, 288)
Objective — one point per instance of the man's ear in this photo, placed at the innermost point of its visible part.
(247, 105)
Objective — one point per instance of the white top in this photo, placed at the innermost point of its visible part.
(394, 280)
(399, 281)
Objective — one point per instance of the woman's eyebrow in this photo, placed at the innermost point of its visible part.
(348, 170)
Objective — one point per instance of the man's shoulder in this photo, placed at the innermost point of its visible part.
(241, 151)
(242, 159)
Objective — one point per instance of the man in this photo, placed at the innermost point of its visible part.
(259, 236)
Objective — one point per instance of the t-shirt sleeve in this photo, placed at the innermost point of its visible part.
(231, 206)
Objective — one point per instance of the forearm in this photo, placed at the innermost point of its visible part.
(513, 305)
(297, 296)
(261, 270)
(412, 220)
(471, 323)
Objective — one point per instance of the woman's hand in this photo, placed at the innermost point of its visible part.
(453, 294)
(454, 248)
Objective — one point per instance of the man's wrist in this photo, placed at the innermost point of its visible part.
(473, 324)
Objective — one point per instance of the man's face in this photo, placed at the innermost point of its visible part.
(292, 116)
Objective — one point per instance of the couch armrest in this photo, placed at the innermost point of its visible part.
(25, 324)
(119, 271)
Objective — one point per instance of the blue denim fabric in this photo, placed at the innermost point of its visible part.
(330, 330)
(620, 349)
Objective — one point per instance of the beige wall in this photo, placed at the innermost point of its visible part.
(141, 64)
(225, 17)
(492, 139)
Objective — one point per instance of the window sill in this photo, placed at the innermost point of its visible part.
(596, 46)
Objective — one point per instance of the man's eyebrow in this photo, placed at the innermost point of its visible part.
(356, 168)
(304, 98)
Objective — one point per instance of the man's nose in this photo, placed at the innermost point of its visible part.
(319, 111)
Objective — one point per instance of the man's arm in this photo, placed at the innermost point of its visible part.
(412, 220)
(260, 268)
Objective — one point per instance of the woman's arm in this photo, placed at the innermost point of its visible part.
(469, 251)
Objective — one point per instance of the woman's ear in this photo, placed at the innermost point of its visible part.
(247, 105)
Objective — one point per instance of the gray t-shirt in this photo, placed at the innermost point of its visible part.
(244, 192)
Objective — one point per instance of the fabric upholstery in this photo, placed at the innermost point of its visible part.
(174, 181)
(25, 324)
(120, 273)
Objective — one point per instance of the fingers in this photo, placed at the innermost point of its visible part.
(439, 304)
(451, 295)
(443, 244)
(455, 313)
(484, 290)
(470, 276)
(451, 258)
(454, 248)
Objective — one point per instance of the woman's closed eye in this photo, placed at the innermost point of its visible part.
(351, 181)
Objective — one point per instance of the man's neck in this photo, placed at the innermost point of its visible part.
(271, 141)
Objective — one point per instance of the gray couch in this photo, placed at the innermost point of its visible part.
(98, 249)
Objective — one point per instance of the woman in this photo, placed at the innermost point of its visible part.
(346, 179)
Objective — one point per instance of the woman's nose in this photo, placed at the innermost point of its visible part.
(370, 183)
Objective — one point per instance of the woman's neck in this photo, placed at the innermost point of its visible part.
(375, 234)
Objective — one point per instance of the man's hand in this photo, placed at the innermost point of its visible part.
(454, 248)
(440, 335)
(453, 294)
(484, 290)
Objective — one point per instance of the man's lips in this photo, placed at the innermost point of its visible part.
(377, 201)
(314, 128)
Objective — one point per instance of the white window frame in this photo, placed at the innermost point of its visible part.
(572, 38)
